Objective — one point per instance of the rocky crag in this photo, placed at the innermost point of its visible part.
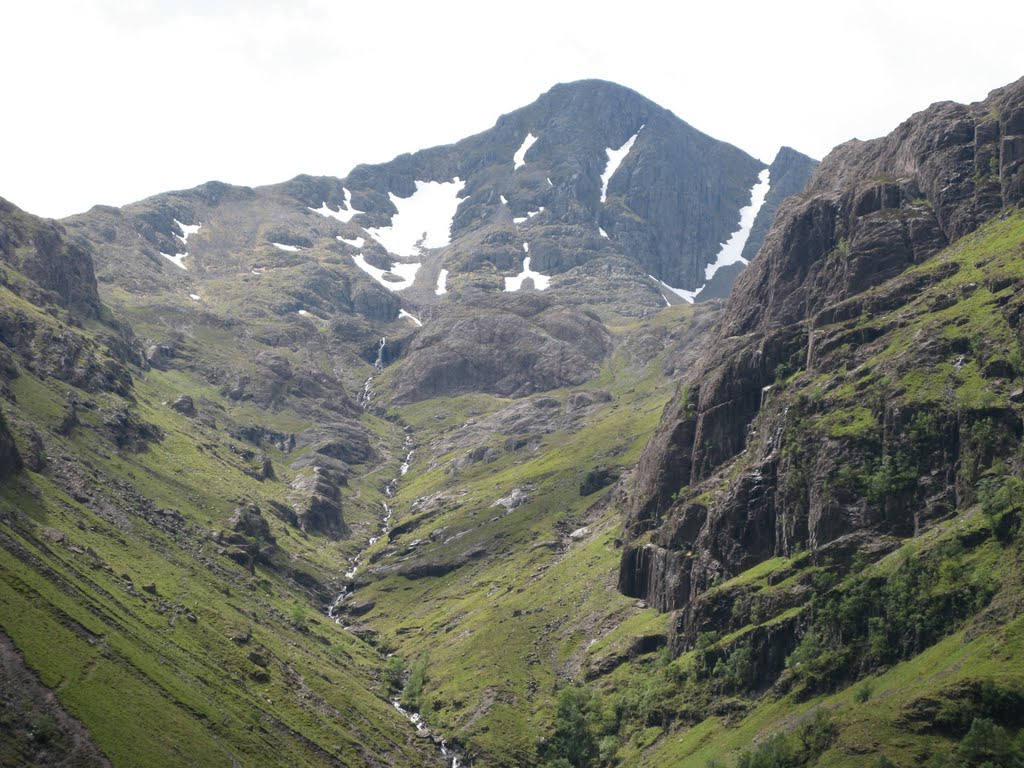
(849, 359)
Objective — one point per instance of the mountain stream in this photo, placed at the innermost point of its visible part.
(455, 758)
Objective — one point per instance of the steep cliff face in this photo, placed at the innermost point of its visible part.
(788, 175)
(60, 270)
(858, 383)
(52, 293)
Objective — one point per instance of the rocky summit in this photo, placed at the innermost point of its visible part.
(588, 440)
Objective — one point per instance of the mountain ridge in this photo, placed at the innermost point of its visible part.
(323, 485)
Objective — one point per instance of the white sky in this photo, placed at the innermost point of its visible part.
(110, 101)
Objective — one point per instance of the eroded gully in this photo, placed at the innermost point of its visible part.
(454, 758)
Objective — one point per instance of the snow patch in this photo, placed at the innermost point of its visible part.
(355, 242)
(442, 283)
(195, 297)
(503, 200)
(288, 248)
(177, 259)
(344, 216)
(615, 158)
(540, 282)
(186, 230)
(529, 215)
(549, 181)
(732, 251)
(603, 233)
(685, 295)
(303, 312)
(526, 247)
(419, 323)
(406, 273)
(423, 220)
(519, 158)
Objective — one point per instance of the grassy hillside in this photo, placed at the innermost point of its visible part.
(119, 589)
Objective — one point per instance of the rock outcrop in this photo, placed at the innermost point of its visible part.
(788, 175)
(61, 270)
(317, 503)
(10, 459)
(514, 347)
(742, 468)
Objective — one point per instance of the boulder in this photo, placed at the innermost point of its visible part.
(317, 502)
(184, 405)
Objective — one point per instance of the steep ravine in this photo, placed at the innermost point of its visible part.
(335, 611)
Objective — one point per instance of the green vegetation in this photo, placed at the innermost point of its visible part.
(413, 692)
(874, 621)
(793, 750)
(491, 606)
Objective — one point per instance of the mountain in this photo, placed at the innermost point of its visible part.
(852, 428)
(327, 473)
(212, 398)
(591, 173)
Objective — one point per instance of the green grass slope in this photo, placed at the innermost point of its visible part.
(116, 589)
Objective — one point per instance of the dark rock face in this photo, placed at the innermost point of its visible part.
(10, 459)
(41, 250)
(249, 521)
(184, 405)
(596, 479)
(128, 432)
(248, 539)
(675, 197)
(788, 174)
(317, 503)
(515, 347)
(40, 263)
(344, 440)
(872, 210)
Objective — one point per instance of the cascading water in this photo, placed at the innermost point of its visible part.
(334, 612)
(366, 395)
(424, 732)
(410, 449)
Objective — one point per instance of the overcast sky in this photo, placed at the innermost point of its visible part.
(110, 101)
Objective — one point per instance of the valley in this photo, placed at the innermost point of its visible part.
(588, 440)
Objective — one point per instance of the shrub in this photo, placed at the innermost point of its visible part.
(1002, 500)
(573, 740)
(413, 692)
(873, 622)
(864, 692)
(393, 674)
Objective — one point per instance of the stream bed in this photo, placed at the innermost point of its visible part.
(454, 758)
